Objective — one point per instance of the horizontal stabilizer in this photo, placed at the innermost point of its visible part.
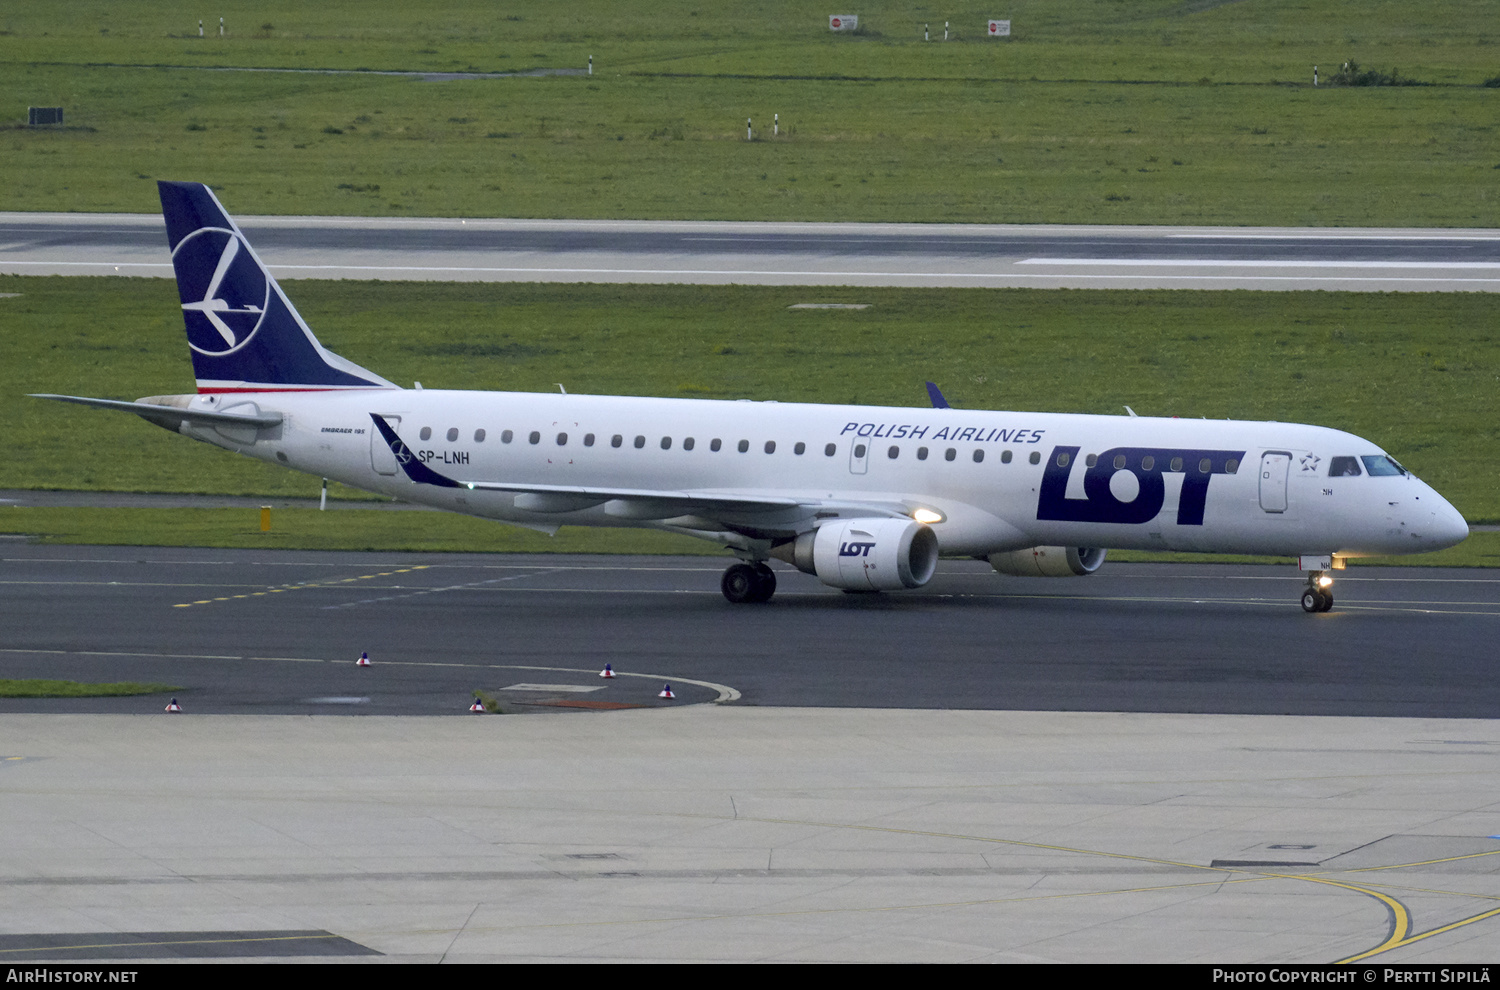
(171, 417)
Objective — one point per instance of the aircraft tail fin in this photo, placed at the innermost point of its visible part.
(244, 334)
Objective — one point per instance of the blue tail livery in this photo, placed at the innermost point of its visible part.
(244, 334)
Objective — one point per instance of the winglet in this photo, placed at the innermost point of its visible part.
(938, 402)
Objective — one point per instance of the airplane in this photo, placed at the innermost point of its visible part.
(866, 498)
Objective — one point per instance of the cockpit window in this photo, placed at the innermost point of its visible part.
(1381, 465)
(1344, 467)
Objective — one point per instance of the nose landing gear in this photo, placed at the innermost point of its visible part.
(748, 583)
(1318, 597)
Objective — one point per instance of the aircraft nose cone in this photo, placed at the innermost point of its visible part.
(1449, 528)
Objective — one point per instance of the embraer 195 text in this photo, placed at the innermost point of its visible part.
(866, 498)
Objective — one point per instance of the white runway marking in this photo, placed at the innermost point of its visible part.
(1222, 263)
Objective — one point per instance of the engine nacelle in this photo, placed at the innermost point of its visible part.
(866, 554)
(1048, 561)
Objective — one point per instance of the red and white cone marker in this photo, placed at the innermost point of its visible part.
(608, 671)
(666, 692)
(174, 706)
(363, 661)
(477, 707)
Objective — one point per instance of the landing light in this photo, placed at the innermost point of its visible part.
(927, 516)
(1325, 581)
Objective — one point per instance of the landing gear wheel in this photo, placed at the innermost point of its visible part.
(748, 583)
(767, 583)
(1314, 600)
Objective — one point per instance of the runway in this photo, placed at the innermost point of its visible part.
(931, 255)
(238, 631)
(892, 778)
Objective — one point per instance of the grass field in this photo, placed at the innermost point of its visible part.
(1416, 373)
(39, 688)
(1096, 111)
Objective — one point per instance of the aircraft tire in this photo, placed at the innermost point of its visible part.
(741, 584)
(765, 579)
(1312, 601)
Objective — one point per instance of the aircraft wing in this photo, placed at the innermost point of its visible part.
(639, 503)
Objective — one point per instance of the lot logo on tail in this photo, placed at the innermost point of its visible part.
(224, 292)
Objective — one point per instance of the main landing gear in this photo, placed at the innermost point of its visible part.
(748, 583)
(1318, 597)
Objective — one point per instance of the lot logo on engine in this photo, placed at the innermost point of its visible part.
(852, 549)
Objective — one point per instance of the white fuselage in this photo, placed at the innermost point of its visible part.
(1262, 488)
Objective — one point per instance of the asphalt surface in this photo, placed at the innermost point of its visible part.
(242, 631)
(785, 253)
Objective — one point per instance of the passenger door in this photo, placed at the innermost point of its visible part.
(1274, 465)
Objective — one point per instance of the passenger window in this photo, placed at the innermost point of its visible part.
(1344, 467)
(1062, 459)
(426, 433)
(1176, 464)
(770, 446)
(1148, 462)
(479, 436)
(744, 445)
(588, 439)
(666, 443)
(1091, 460)
(687, 443)
(640, 442)
(1036, 457)
(1119, 462)
(1004, 457)
(949, 454)
(452, 433)
(1232, 466)
(562, 439)
(829, 449)
(715, 444)
(800, 449)
(616, 440)
(1205, 466)
(978, 455)
(893, 453)
(921, 453)
(507, 436)
(535, 437)
(859, 450)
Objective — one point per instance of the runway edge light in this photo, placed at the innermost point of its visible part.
(364, 659)
(173, 706)
(666, 692)
(608, 671)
